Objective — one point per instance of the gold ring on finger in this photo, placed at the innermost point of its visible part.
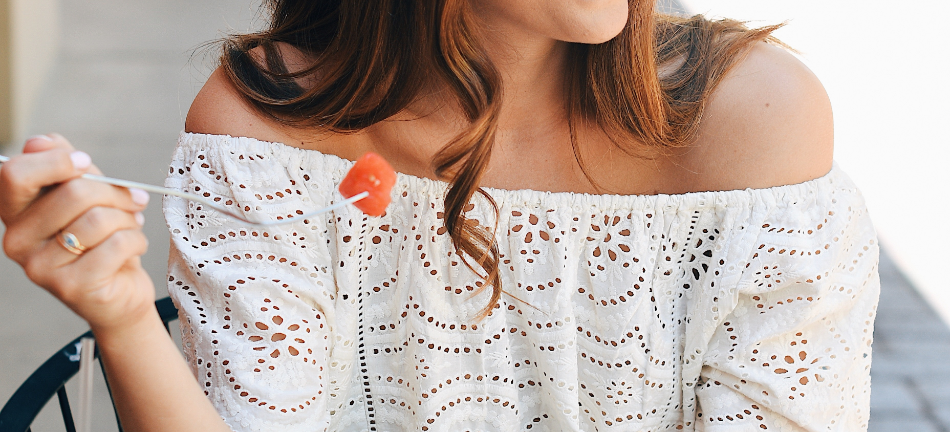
(69, 242)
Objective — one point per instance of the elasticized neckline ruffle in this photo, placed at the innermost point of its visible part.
(316, 161)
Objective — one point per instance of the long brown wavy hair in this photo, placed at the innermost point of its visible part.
(368, 57)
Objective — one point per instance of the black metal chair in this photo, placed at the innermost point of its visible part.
(18, 413)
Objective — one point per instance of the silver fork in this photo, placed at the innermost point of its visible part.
(208, 203)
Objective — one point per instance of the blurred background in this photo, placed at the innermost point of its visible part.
(117, 77)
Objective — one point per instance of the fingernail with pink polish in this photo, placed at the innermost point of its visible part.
(81, 160)
(140, 219)
(42, 137)
(139, 196)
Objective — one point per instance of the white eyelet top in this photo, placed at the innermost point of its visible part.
(731, 310)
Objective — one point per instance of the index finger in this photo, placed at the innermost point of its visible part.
(23, 177)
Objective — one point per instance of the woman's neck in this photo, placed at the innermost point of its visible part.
(532, 125)
(531, 68)
(532, 83)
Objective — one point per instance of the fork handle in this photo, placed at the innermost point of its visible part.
(220, 209)
(209, 203)
(154, 189)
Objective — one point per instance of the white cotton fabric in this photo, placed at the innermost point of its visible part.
(717, 311)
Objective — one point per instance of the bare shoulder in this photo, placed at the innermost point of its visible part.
(768, 123)
(219, 109)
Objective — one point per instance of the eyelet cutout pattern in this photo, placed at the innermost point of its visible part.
(745, 309)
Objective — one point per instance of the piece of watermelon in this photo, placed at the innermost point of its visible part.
(371, 173)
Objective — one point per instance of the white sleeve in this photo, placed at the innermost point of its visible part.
(253, 308)
(794, 351)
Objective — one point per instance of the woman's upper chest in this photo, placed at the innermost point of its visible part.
(542, 160)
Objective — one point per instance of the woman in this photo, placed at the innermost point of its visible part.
(661, 241)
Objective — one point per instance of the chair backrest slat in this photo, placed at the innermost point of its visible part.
(64, 409)
(111, 399)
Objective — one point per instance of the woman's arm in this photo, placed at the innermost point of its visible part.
(786, 342)
(42, 195)
(151, 385)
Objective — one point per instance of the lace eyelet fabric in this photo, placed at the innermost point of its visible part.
(714, 311)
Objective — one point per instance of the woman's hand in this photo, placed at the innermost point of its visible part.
(42, 197)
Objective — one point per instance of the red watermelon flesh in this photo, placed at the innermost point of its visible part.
(371, 173)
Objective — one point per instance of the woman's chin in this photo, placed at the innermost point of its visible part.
(596, 39)
(597, 29)
(595, 36)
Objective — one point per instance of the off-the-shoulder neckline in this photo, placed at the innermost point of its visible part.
(533, 195)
